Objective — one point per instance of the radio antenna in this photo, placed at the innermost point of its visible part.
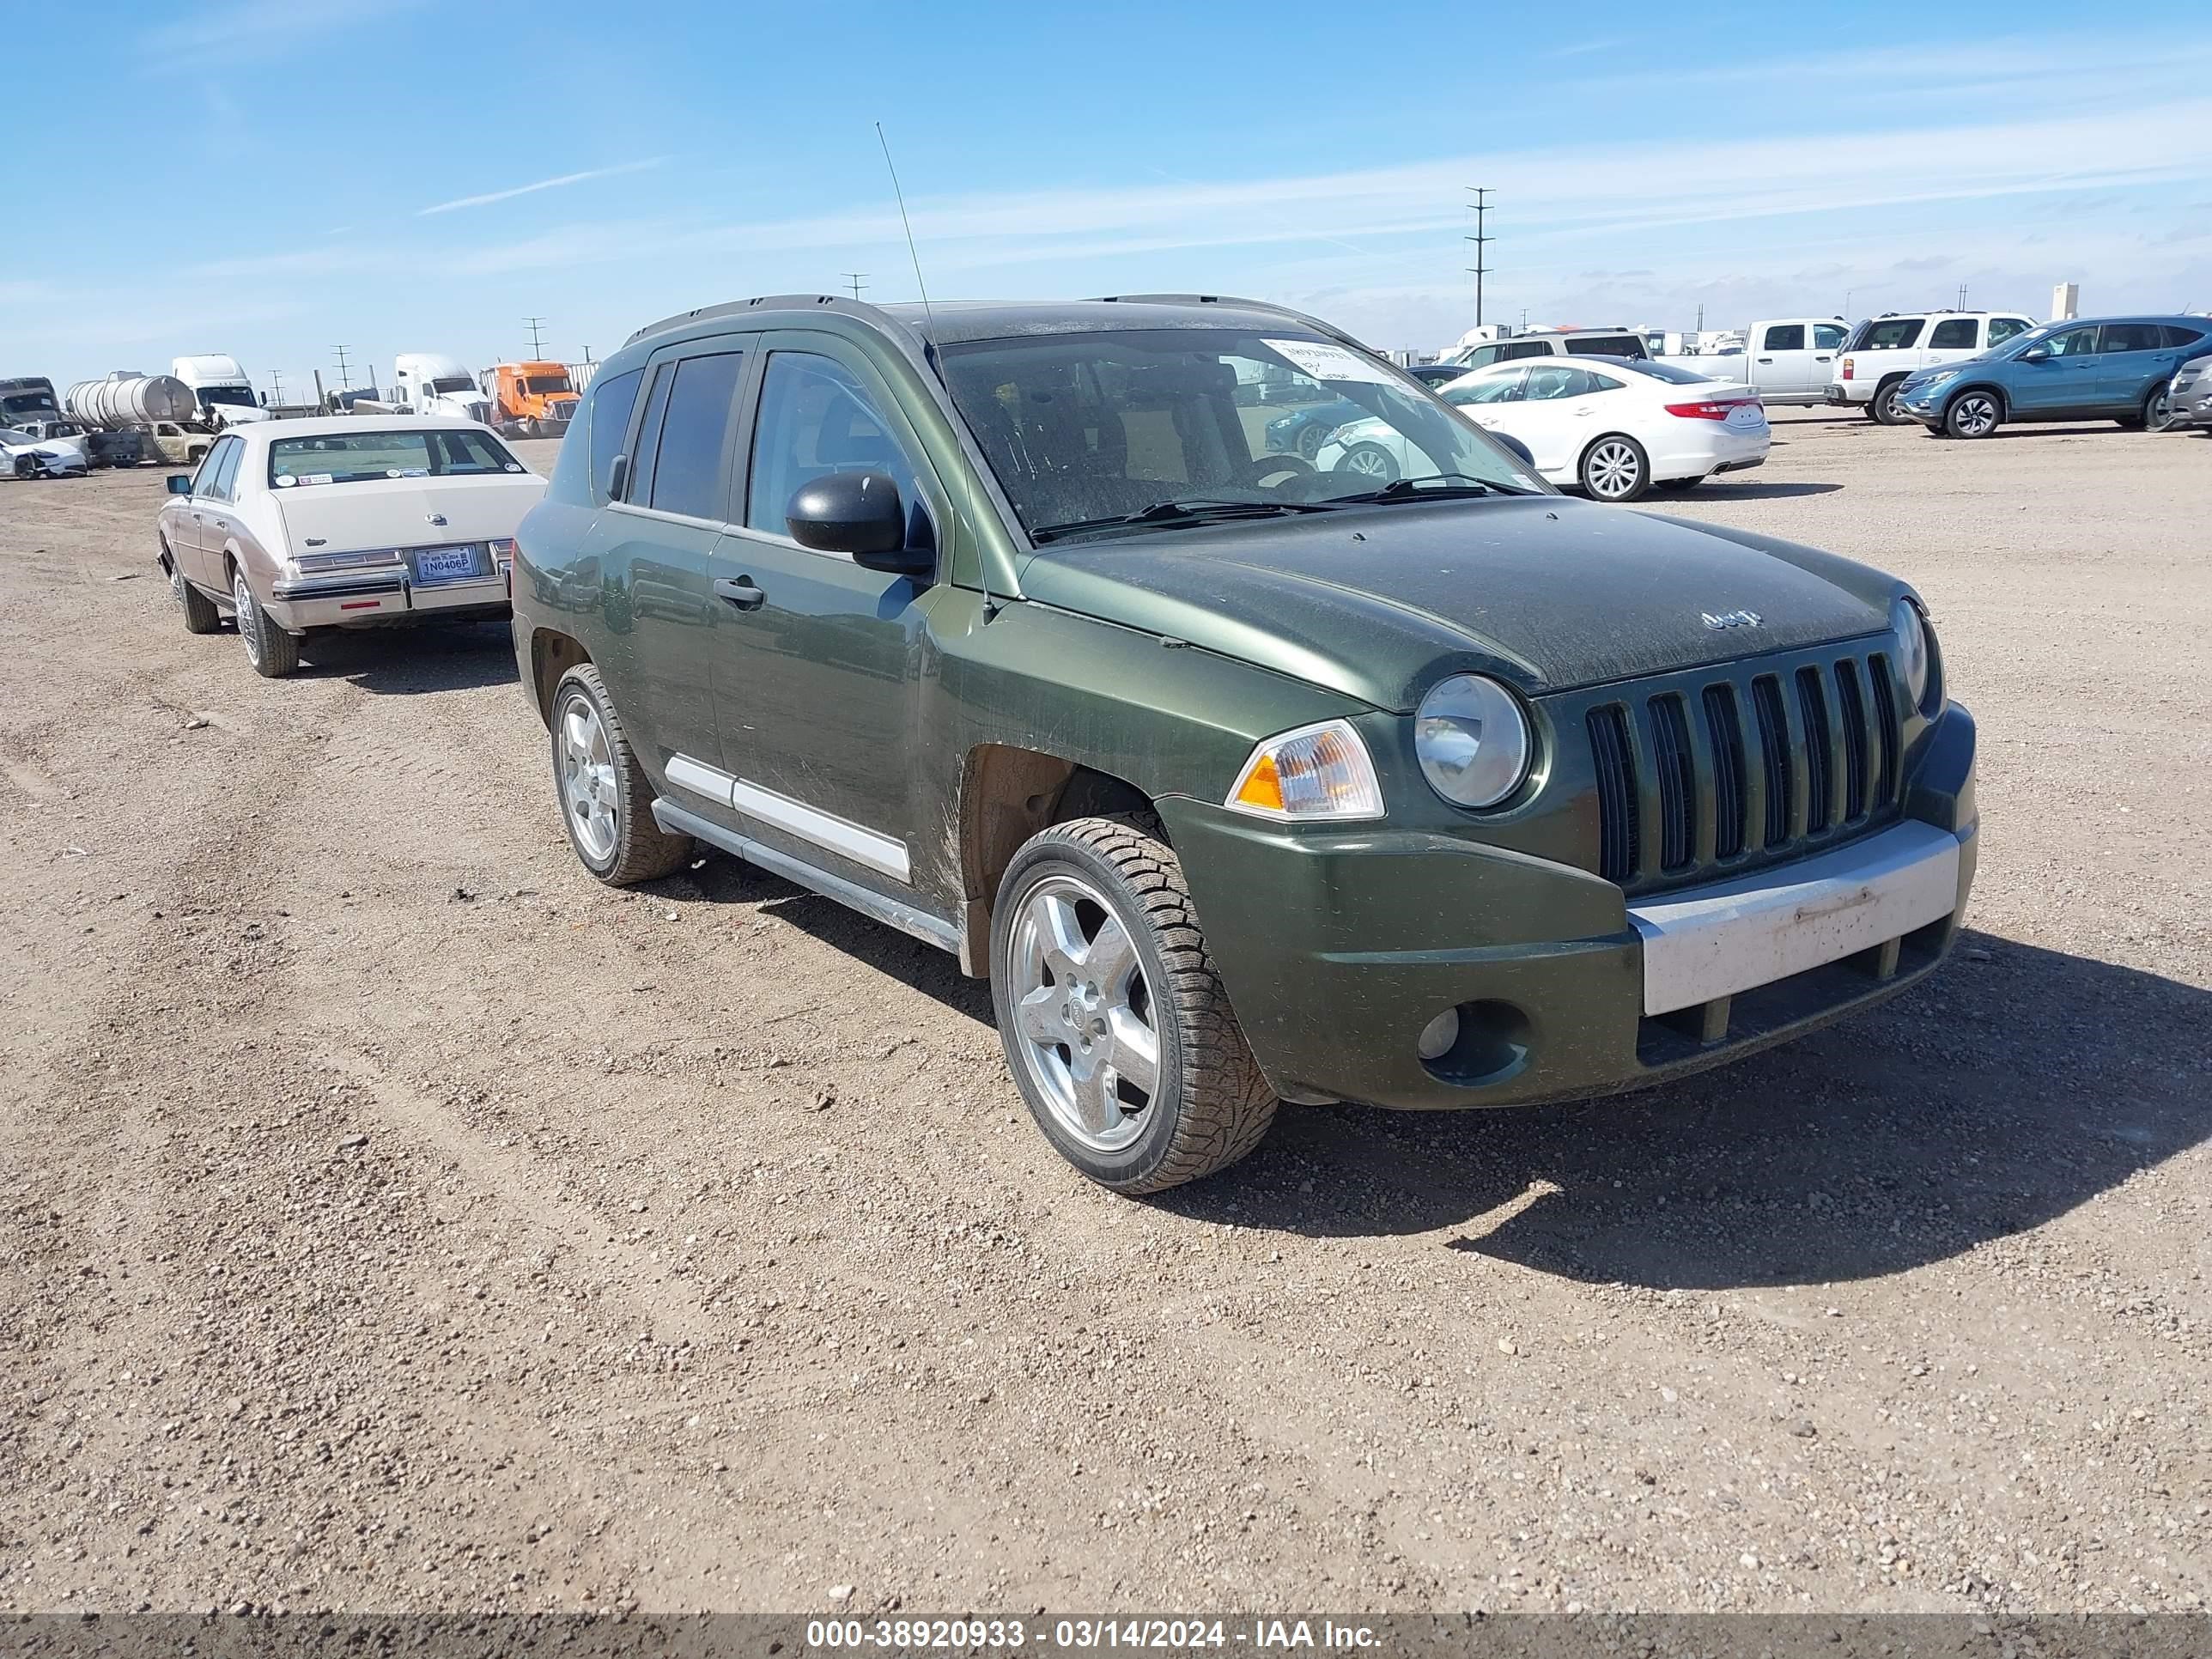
(982, 564)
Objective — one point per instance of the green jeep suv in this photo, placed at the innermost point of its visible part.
(1241, 782)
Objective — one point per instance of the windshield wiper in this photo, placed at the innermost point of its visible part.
(1432, 487)
(1189, 510)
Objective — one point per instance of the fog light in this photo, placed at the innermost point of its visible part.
(1438, 1036)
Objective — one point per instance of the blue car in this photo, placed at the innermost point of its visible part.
(1302, 431)
(2119, 369)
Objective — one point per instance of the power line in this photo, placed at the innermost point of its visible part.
(536, 325)
(1481, 238)
(855, 279)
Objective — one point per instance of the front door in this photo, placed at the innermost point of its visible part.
(649, 554)
(1557, 415)
(1782, 358)
(817, 680)
(214, 487)
(2065, 380)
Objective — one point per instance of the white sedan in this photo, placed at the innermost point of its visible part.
(28, 456)
(1613, 427)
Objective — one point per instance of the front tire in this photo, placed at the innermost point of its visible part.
(200, 615)
(25, 468)
(1884, 408)
(273, 653)
(606, 800)
(1371, 464)
(1615, 469)
(1116, 1024)
(1973, 414)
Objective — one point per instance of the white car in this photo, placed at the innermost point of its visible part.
(26, 455)
(1882, 351)
(1613, 427)
(295, 526)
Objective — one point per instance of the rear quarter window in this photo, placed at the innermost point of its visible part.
(612, 402)
(1607, 345)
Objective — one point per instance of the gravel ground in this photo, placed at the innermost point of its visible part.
(391, 1218)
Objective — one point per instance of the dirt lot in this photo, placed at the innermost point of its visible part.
(391, 1218)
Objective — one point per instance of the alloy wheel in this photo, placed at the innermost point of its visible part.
(1367, 461)
(1974, 415)
(1084, 1009)
(589, 788)
(249, 617)
(1614, 471)
(2158, 409)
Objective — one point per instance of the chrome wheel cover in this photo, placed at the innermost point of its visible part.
(1084, 1012)
(249, 617)
(1367, 463)
(1975, 415)
(589, 793)
(177, 580)
(1613, 469)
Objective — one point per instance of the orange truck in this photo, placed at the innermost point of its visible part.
(529, 400)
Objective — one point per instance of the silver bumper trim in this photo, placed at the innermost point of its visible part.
(1712, 942)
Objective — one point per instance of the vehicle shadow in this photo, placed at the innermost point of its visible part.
(1720, 489)
(410, 661)
(2015, 1085)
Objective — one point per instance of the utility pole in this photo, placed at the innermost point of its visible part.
(1962, 296)
(1701, 317)
(345, 381)
(854, 278)
(277, 387)
(537, 342)
(1481, 238)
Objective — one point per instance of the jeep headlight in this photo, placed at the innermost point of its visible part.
(1317, 774)
(1473, 741)
(1916, 652)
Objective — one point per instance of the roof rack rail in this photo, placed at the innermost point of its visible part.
(773, 301)
(1314, 323)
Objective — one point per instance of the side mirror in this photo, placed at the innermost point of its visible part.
(180, 484)
(860, 513)
(618, 477)
(1527, 456)
(2036, 354)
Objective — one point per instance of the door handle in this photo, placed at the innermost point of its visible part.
(1767, 360)
(1819, 359)
(741, 592)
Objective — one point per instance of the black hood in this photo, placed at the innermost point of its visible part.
(1545, 592)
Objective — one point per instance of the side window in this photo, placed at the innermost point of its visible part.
(1498, 389)
(1547, 384)
(1827, 337)
(2003, 328)
(1506, 353)
(210, 463)
(817, 419)
(1953, 334)
(1784, 337)
(1481, 357)
(226, 469)
(2073, 343)
(2184, 338)
(612, 402)
(648, 435)
(695, 437)
(2132, 337)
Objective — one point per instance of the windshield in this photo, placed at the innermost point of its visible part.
(542, 384)
(28, 402)
(454, 383)
(237, 396)
(1086, 429)
(357, 456)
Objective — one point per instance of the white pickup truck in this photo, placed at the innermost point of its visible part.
(1882, 351)
(1786, 360)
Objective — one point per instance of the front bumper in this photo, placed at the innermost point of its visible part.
(368, 598)
(1924, 403)
(1337, 949)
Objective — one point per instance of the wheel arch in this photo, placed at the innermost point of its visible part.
(552, 653)
(1007, 794)
(2004, 403)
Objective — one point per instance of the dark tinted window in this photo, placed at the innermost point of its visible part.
(694, 435)
(648, 434)
(2003, 328)
(1889, 334)
(612, 404)
(815, 419)
(2183, 336)
(1784, 337)
(1607, 345)
(1954, 334)
(1506, 353)
(2132, 337)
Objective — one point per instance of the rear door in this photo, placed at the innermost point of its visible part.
(2132, 357)
(1555, 414)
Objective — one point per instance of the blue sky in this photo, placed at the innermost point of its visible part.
(272, 178)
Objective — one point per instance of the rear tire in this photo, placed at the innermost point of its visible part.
(1973, 413)
(1615, 469)
(1136, 998)
(2157, 409)
(271, 651)
(606, 800)
(1884, 408)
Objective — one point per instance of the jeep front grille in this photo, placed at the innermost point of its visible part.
(1743, 763)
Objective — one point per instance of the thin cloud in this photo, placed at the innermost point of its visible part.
(489, 197)
(258, 29)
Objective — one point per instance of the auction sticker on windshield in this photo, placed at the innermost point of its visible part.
(1325, 362)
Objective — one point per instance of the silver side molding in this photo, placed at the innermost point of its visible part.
(866, 846)
(907, 918)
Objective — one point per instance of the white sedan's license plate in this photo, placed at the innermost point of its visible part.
(434, 565)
